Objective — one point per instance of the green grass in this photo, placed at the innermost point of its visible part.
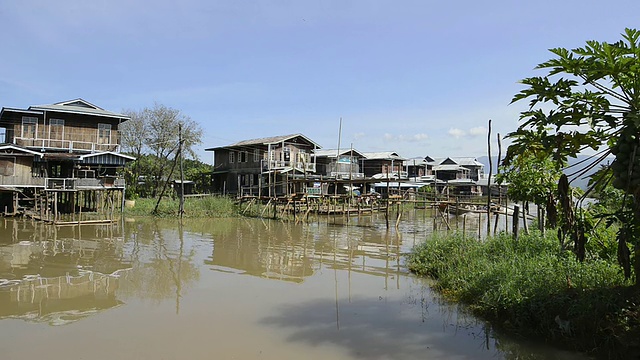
(210, 206)
(525, 284)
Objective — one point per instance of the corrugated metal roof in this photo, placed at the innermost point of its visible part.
(79, 106)
(449, 168)
(127, 157)
(266, 141)
(383, 155)
(20, 149)
(106, 158)
(467, 161)
(333, 152)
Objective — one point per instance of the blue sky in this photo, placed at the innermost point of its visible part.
(416, 77)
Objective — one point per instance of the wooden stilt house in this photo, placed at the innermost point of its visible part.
(263, 166)
(60, 158)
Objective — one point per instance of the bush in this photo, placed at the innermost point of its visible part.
(528, 284)
(209, 206)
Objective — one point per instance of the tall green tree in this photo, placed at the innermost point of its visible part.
(531, 179)
(590, 98)
(152, 136)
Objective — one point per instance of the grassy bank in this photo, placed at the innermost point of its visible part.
(210, 206)
(529, 287)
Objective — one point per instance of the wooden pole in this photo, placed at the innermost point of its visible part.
(181, 210)
(516, 220)
(495, 226)
(55, 207)
(386, 211)
(464, 224)
(489, 181)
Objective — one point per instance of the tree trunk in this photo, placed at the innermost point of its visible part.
(636, 265)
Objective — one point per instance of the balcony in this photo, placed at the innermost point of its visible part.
(70, 184)
(70, 145)
(346, 175)
(15, 181)
(281, 165)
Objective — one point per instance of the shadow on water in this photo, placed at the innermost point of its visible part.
(369, 330)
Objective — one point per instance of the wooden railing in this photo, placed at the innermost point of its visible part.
(346, 175)
(273, 164)
(70, 145)
(83, 183)
(14, 181)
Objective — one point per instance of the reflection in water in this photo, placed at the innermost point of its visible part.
(163, 261)
(59, 300)
(58, 275)
(266, 249)
(232, 288)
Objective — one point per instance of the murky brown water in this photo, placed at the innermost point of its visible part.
(230, 289)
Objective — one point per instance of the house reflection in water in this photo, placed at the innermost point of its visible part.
(280, 251)
(57, 281)
(59, 300)
(262, 253)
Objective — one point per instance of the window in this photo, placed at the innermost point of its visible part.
(286, 154)
(29, 127)
(302, 155)
(7, 165)
(232, 157)
(56, 129)
(243, 157)
(256, 155)
(104, 133)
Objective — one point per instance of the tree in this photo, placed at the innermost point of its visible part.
(133, 134)
(152, 136)
(531, 179)
(590, 98)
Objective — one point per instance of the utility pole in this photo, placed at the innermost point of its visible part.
(181, 170)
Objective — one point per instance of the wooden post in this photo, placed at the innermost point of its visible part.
(516, 220)
(464, 224)
(275, 208)
(181, 210)
(55, 207)
(386, 212)
(489, 181)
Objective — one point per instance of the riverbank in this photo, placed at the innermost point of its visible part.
(196, 207)
(529, 288)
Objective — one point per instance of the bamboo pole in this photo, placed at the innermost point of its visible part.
(489, 180)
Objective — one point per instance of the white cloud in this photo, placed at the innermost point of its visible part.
(405, 138)
(358, 136)
(478, 131)
(389, 137)
(420, 137)
(456, 133)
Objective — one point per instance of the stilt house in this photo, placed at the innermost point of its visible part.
(263, 167)
(383, 164)
(339, 164)
(60, 158)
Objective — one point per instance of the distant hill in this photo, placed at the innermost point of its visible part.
(582, 160)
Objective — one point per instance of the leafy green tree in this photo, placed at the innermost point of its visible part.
(531, 179)
(198, 172)
(152, 136)
(590, 98)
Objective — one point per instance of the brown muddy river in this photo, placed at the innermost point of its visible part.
(231, 289)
